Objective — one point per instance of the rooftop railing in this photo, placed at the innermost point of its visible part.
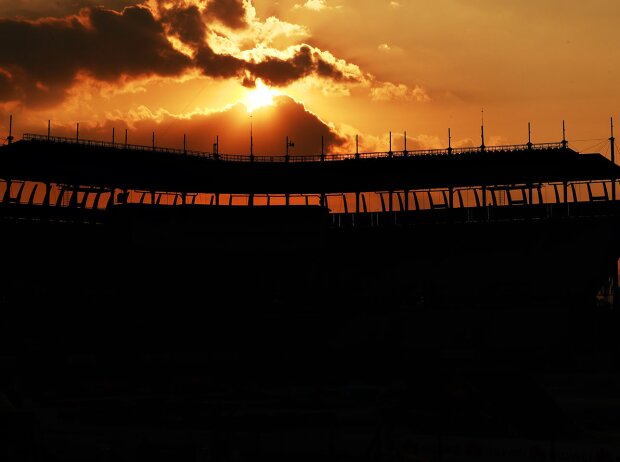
(291, 158)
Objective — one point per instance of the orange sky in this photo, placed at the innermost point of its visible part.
(333, 68)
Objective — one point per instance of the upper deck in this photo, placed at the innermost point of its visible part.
(69, 161)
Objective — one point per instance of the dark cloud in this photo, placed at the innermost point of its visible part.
(34, 9)
(131, 43)
(214, 65)
(187, 24)
(278, 72)
(231, 13)
(271, 126)
(45, 57)
(6, 86)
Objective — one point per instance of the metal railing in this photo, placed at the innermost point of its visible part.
(296, 159)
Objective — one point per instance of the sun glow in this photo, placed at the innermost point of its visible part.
(259, 97)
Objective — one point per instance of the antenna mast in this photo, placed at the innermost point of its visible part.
(564, 142)
(612, 141)
(482, 131)
(10, 138)
(288, 144)
(251, 140)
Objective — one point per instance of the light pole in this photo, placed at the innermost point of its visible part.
(288, 144)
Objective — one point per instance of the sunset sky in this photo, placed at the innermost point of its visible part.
(306, 69)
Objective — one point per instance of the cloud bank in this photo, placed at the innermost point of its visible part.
(49, 55)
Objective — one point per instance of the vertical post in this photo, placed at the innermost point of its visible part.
(529, 135)
(612, 141)
(126, 139)
(449, 142)
(482, 146)
(405, 143)
(47, 197)
(77, 133)
(564, 142)
(357, 151)
(390, 151)
(10, 138)
(153, 141)
(184, 143)
(251, 140)
(286, 157)
(322, 150)
(614, 284)
(49, 129)
(112, 136)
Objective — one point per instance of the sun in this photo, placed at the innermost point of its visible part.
(259, 97)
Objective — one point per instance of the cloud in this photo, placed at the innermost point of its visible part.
(232, 13)
(388, 91)
(186, 24)
(390, 49)
(303, 61)
(314, 5)
(34, 9)
(47, 56)
(271, 126)
(169, 38)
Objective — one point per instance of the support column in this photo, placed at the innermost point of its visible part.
(614, 285)
(7, 194)
(612, 142)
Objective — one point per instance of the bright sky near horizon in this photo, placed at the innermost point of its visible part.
(308, 69)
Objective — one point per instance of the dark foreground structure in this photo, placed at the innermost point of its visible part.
(422, 306)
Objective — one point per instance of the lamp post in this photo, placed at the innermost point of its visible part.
(289, 144)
